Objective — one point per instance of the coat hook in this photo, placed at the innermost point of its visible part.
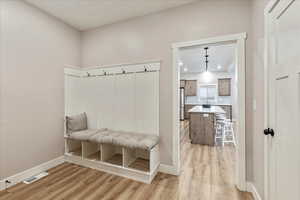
(104, 72)
(123, 71)
(88, 74)
(145, 69)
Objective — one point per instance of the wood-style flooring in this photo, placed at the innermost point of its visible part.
(207, 174)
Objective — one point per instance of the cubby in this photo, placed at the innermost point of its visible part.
(74, 147)
(91, 151)
(138, 164)
(137, 159)
(112, 154)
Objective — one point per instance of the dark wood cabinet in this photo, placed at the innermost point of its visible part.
(224, 87)
(202, 128)
(190, 88)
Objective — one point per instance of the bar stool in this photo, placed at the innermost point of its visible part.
(228, 135)
(220, 127)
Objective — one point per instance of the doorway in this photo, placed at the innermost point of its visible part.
(237, 40)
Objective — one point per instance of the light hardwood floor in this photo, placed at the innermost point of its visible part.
(207, 174)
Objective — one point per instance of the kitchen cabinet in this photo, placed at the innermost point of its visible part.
(190, 87)
(224, 87)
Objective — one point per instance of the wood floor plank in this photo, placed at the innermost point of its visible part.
(207, 174)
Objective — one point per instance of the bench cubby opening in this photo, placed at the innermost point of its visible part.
(91, 151)
(74, 147)
(137, 159)
(112, 154)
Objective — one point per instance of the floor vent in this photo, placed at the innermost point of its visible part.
(35, 178)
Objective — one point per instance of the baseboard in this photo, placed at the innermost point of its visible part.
(2, 185)
(30, 172)
(252, 189)
(168, 169)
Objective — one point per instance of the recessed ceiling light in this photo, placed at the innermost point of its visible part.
(219, 67)
(185, 69)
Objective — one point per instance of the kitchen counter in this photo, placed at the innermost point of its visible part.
(222, 101)
(212, 109)
(201, 103)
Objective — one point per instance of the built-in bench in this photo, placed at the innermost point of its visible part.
(128, 154)
(124, 99)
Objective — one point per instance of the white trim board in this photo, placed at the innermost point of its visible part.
(2, 185)
(252, 189)
(113, 69)
(167, 169)
(240, 41)
(15, 179)
(141, 176)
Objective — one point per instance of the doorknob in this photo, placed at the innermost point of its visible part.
(269, 131)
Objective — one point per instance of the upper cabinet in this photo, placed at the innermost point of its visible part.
(190, 88)
(224, 87)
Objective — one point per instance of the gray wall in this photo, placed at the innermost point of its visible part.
(150, 37)
(34, 49)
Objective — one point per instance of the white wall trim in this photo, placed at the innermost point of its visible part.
(240, 40)
(252, 189)
(219, 39)
(86, 68)
(167, 169)
(2, 185)
(15, 179)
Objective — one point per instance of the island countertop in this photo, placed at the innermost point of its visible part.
(212, 109)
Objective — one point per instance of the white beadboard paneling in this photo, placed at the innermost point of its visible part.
(128, 102)
(124, 115)
(146, 102)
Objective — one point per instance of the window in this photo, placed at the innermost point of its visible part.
(207, 93)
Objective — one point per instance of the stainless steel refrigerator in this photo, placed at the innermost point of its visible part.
(182, 103)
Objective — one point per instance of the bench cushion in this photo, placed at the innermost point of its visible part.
(76, 123)
(85, 134)
(126, 139)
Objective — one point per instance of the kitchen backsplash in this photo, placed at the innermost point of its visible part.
(220, 100)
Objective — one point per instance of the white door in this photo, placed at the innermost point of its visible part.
(283, 52)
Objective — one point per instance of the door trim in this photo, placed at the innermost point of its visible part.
(240, 40)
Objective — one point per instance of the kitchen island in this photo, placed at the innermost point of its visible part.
(202, 124)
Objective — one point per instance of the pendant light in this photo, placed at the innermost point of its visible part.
(207, 105)
(206, 58)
